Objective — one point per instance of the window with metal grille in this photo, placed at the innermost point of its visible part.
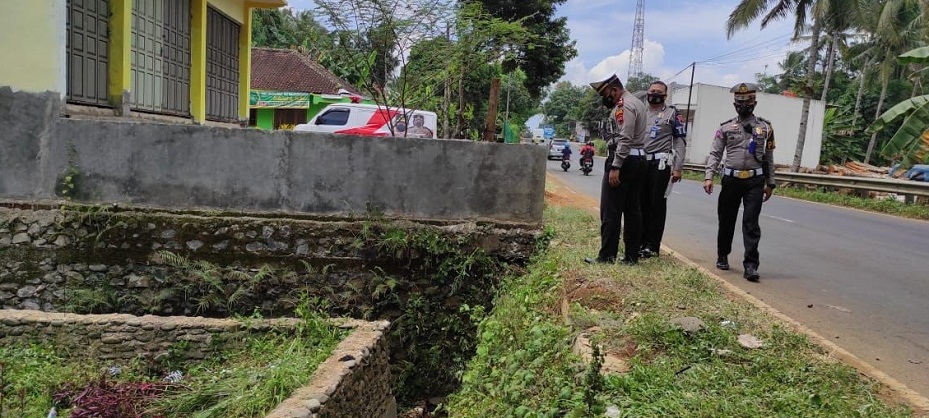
(222, 67)
(87, 48)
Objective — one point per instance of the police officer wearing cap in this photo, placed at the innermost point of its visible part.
(664, 152)
(747, 141)
(621, 189)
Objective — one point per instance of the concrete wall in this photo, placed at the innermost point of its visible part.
(32, 45)
(196, 166)
(353, 382)
(713, 105)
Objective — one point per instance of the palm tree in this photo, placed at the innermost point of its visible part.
(893, 34)
(838, 25)
(911, 141)
(818, 10)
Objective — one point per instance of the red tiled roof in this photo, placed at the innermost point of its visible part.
(290, 70)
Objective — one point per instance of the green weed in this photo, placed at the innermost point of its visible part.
(524, 366)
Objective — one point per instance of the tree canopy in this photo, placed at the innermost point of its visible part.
(543, 59)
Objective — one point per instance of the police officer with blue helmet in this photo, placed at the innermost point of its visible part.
(747, 142)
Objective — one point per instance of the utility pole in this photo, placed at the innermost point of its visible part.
(506, 114)
(693, 69)
(490, 125)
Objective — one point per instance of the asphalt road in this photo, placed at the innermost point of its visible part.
(866, 275)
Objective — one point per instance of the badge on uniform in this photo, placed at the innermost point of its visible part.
(653, 133)
(759, 131)
(619, 114)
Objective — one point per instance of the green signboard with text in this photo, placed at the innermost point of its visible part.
(279, 100)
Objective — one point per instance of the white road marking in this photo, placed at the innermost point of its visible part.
(676, 192)
(779, 218)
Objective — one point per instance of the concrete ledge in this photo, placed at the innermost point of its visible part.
(353, 382)
(43, 156)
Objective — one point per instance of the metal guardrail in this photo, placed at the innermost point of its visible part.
(902, 187)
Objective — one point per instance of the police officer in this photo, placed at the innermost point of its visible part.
(621, 189)
(664, 152)
(748, 177)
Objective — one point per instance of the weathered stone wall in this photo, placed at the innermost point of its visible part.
(43, 156)
(52, 259)
(126, 337)
(417, 275)
(353, 382)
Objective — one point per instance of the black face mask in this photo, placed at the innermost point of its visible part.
(656, 98)
(608, 101)
(744, 110)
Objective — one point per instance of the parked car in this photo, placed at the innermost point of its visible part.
(372, 120)
(555, 147)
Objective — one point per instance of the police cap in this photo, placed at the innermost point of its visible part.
(609, 82)
(744, 91)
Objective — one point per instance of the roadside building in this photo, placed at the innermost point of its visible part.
(712, 105)
(289, 88)
(181, 60)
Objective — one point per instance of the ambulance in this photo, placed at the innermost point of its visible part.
(372, 120)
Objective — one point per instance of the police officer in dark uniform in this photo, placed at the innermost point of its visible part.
(665, 147)
(747, 142)
(621, 189)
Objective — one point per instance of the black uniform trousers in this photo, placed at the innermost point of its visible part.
(654, 204)
(616, 203)
(750, 193)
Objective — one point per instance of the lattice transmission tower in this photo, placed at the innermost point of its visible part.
(638, 41)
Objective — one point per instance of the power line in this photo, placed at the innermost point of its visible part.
(747, 48)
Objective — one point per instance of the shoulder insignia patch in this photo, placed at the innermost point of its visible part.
(619, 115)
(770, 145)
(680, 119)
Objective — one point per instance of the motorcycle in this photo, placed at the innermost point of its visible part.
(565, 163)
(587, 165)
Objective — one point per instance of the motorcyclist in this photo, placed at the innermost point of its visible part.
(588, 150)
(566, 152)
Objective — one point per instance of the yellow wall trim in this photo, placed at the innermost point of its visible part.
(198, 60)
(245, 62)
(120, 65)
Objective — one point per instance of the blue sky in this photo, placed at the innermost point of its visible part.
(677, 32)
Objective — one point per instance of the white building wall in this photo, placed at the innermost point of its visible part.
(712, 105)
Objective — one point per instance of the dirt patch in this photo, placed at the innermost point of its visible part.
(557, 193)
(601, 294)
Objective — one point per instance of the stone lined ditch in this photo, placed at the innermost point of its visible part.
(427, 278)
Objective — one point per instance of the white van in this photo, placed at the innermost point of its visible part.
(372, 120)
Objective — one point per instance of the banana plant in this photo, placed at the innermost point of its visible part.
(911, 141)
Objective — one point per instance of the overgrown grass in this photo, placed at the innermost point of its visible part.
(524, 366)
(245, 382)
(252, 381)
(821, 195)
